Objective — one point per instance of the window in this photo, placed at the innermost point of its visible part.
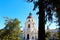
(28, 25)
(32, 20)
(29, 20)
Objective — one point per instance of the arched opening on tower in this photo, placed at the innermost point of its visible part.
(28, 25)
(27, 36)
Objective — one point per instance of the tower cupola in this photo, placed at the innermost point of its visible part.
(30, 15)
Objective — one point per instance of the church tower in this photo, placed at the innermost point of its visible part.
(30, 30)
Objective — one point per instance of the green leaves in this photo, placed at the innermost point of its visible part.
(11, 30)
(47, 34)
(56, 35)
(16, 21)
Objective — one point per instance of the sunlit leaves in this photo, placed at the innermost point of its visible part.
(11, 30)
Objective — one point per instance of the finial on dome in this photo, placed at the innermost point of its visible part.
(30, 14)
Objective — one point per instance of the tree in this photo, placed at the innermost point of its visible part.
(41, 28)
(56, 4)
(56, 35)
(45, 5)
(47, 34)
(12, 30)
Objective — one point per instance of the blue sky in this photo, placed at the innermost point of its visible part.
(16, 9)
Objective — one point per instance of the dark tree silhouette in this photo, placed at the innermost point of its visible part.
(41, 28)
(45, 5)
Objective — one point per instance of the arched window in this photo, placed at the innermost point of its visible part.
(28, 25)
(29, 20)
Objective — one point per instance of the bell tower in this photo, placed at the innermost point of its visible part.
(30, 30)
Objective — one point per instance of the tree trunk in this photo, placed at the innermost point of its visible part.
(41, 28)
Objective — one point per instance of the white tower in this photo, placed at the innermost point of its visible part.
(30, 30)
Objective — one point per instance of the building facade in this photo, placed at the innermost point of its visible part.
(30, 31)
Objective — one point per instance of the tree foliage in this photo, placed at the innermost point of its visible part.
(11, 31)
(48, 6)
(48, 34)
(56, 35)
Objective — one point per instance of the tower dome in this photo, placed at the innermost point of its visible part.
(30, 15)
